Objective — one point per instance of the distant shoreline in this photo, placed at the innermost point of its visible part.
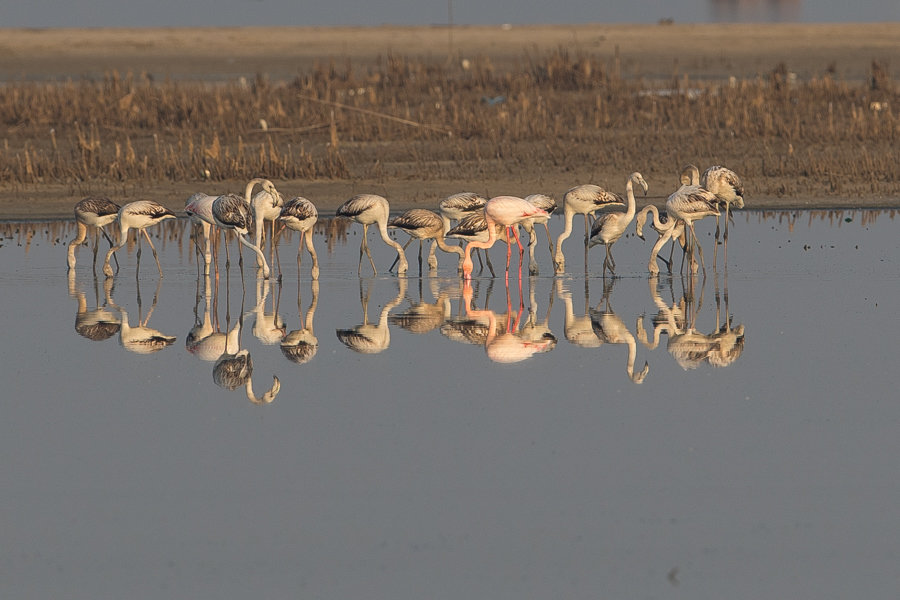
(682, 53)
(699, 51)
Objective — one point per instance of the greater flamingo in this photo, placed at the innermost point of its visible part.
(729, 191)
(138, 215)
(457, 207)
(92, 212)
(299, 214)
(507, 211)
(548, 205)
(691, 203)
(473, 227)
(199, 208)
(368, 209)
(423, 224)
(609, 228)
(232, 212)
(667, 228)
(582, 200)
(266, 205)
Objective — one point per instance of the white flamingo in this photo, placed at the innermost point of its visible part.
(669, 229)
(456, 207)
(199, 208)
(92, 212)
(691, 203)
(232, 212)
(138, 215)
(423, 224)
(582, 200)
(299, 214)
(548, 205)
(609, 228)
(729, 190)
(368, 209)
(266, 205)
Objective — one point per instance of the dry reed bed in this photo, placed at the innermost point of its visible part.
(421, 121)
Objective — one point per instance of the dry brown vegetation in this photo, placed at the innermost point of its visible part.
(414, 120)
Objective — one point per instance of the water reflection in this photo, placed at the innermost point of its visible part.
(421, 317)
(506, 345)
(372, 338)
(300, 345)
(234, 368)
(99, 323)
(142, 339)
(268, 326)
(689, 347)
(610, 329)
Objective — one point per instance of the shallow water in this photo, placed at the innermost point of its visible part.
(755, 456)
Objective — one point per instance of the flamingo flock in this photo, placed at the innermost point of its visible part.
(479, 223)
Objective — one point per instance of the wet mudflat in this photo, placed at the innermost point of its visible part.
(726, 436)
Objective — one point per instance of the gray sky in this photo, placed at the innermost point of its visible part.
(128, 13)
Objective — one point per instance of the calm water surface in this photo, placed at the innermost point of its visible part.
(721, 437)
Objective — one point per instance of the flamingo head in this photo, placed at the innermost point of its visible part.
(639, 179)
(639, 224)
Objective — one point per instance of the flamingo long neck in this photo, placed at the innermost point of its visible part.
(570, 216)
(248, 191)
(443, 245)
(629, 191)
(382, 229)
(467, 256)
(79, 238)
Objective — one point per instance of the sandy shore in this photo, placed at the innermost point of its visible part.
(647, 51)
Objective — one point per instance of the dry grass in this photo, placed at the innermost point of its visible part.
(409, 119)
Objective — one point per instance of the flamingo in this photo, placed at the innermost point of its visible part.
(547, 204)
(584, 200)
(507, 211)
(92, 212)
(423, 224)
(199, 208)
(232, 212)
(367, 209)
(266, 205)
(691, 203)
(666, 227)
(729, 191)
(299, 214)
(138, 215)
(458, 206)
(474, 227)
(609, 228)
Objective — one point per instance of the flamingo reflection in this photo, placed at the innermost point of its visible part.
(508, 346)
(610, 329)
(99, 323)
(422, 317)
(142, 339)
(300, 345)
(372, 338)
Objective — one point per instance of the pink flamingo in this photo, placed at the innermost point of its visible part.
(507, 211)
